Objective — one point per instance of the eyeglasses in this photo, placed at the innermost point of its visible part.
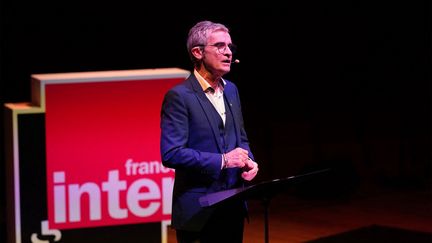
(221, 47)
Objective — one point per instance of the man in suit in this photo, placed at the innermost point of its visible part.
(204, 140)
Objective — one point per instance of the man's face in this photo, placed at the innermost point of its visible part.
(217, 56)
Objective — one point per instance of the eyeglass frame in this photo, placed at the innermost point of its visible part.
(232, 47)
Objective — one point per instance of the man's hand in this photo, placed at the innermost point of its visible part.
(237, 157)
(250, 170)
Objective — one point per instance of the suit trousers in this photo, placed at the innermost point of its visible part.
(225, 225)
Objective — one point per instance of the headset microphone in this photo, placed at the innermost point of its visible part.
(236, 61)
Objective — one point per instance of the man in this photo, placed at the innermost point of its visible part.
(204, 140)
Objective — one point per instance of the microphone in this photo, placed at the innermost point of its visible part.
(236, 61)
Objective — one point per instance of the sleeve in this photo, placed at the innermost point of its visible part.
(175, 152)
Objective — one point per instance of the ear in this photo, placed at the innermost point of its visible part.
(197, 52)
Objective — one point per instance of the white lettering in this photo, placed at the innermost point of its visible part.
(75, 192)
(167, 187)
(113, 186)
(134, 196)
(145, 168)
(143, 197)
(59, 198)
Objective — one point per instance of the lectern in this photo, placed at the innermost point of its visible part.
(263, 191)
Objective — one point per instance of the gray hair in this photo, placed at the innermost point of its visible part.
(199, 34)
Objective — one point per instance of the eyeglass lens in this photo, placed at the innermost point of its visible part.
(222, 47)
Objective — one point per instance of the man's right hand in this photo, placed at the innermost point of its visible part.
(237, 157)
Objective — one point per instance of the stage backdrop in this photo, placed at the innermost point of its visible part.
(83, 158)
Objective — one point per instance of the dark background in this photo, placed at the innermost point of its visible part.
(340, 84)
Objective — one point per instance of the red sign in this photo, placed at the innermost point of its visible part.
(103, 160)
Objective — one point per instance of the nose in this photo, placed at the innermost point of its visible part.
(227, 50)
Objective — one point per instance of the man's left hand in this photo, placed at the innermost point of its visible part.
(250, 170)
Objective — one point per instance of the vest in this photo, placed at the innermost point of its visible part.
(229, 177)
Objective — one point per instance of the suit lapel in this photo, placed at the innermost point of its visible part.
(232, 109)
(207, 108)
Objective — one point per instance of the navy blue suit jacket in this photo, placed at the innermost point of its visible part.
(191, 144)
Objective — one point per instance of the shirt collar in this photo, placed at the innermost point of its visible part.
(205, 85)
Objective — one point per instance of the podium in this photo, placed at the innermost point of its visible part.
(263, 191)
